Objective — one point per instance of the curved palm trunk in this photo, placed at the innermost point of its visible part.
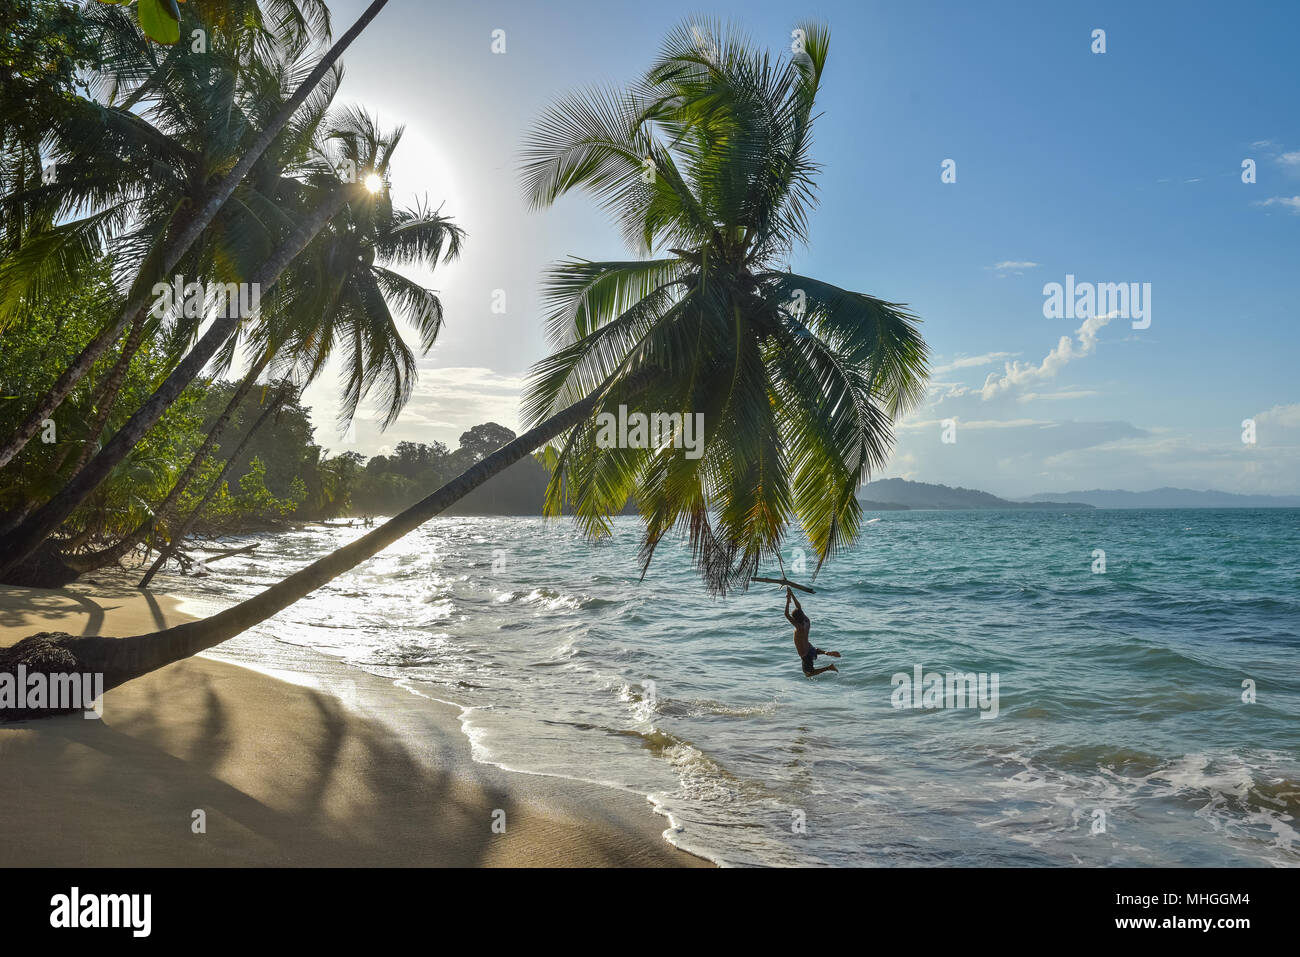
(19, 544)
(107, 556)
(107, 395)
(175, 250)
(76, 541)
(179, 535)
(121, 659)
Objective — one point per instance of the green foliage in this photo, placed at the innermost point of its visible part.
(33, 353)
(386, 484)
(284, 446)
(43, 45)
(253, 505)
(482, 440)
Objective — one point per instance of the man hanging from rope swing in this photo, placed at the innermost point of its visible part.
(802, 625)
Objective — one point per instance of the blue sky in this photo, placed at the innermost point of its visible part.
(1116, 167)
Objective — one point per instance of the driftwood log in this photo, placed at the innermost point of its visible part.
(221, 553)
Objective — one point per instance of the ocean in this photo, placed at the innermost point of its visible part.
(1144, 714)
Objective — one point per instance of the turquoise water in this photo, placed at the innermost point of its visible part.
(1120, 738)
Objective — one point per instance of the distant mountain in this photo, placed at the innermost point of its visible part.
(1169, 498)
(900, 493)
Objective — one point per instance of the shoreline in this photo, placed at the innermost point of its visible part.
(324, 766)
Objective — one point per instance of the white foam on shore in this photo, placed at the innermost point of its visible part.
(479, 753)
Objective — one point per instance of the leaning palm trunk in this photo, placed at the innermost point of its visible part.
(107, 556)
(172, 255)
(107, 395)
(19, 544)
(179, 534)
(121, 659)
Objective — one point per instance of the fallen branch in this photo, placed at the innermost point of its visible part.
(225, 553)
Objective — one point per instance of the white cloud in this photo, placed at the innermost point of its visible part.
(458, 397)
(968, 362)
(1286, 416)
(435, 381)
(1039, 447)
(1012, 267)
(939, 391)
(1023, 373)
(928, 424)
(1290, 159)
(445, 402)
(1077, 394)
(1290, 202)
(1007, 424)
(1220, 462)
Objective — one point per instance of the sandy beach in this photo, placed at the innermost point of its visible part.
(284, 772)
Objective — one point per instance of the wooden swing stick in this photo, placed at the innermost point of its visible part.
(785, 581)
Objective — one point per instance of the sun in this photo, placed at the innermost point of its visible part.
(374, 183)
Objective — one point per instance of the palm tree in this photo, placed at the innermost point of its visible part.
(334, 300)
(139, 300)
(195, 129)
(32, 533)
(799, 380)
(344, 291)
(150, 166)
